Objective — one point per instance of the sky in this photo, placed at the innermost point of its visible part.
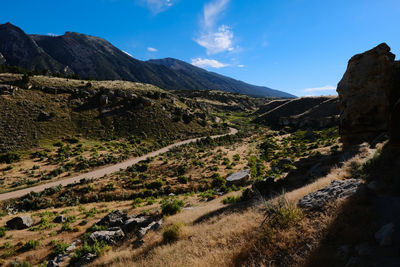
(297, 46)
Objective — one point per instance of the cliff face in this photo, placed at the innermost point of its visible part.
(368, 92)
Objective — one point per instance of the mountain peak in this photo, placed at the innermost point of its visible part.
(90, 56)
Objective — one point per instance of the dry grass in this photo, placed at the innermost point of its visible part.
(235, 236)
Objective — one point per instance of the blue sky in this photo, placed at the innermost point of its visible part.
(298, 46)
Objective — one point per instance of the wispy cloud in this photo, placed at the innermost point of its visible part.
(241, 66)
(208, 63)
(157, 6)
(215, 39)
(323, 88)
(152, 49)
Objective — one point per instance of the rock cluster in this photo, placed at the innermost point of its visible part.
(120, 225)
(368, 92)
(335, 190)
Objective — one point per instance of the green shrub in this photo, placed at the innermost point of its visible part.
(2, 231)
(182, 179)
(9, 157)
(172, 232)
(182, 169)
(60, 248)
(218, 181)
(97, 249)
(155, 184)
(171, 206)
(282, 214)
(30, 245)
(231, 200)
(236, 157)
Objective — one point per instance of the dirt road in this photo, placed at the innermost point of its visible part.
(103, 170)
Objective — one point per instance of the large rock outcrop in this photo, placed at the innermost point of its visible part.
(367, 93)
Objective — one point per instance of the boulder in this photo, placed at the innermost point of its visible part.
(20, 222)
(60, 219)
(238, 178)
(136, 223)
(335, 190)
(113, 219)
(366, 95)
(152, 226)
(108, 237)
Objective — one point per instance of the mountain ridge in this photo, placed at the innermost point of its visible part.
(94, 57)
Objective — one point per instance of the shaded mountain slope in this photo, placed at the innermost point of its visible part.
(300, 112)
(93, 57)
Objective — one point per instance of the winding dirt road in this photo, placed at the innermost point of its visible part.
(104, 170)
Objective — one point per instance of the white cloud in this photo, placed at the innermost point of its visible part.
(241, 66)
(215, 39)
(157, 6)
(217, 42)
(324, 88)
(152, 49)
(211, 63)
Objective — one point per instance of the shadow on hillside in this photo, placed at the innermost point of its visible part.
(232, 208)
(307, 171)
(361, 216)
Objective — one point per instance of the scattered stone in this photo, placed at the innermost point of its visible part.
(238, 178)
(73, 246)
(108, 237)
(60, 219)
(384, 235)
(20, 222)
(52, 263)
(136, 223)
(152, 226)
(113, 219)
(335, 190)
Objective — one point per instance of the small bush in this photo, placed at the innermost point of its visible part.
(2, 231)
(182, 179)
(218, 181)
(9, 157)
(171, 206)
(30, 245)
(60, 248)
(97, 249)
(172, 232)
(231, 200)
(282, 214)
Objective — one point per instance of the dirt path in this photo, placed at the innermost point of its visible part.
(104, 170)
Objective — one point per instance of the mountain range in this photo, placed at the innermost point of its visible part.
(94, 57)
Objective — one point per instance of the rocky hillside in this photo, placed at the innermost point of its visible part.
(305, 112)
(46, 108)
(93, 57)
